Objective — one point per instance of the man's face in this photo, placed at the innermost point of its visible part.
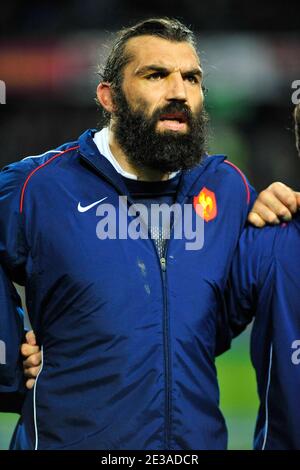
(159, 120)
(160, 73)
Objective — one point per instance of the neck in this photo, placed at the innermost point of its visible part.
(144, 174)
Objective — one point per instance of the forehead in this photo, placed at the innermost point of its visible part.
(145, 50)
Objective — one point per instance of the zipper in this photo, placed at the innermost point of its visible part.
(163, 270)
(163, 266)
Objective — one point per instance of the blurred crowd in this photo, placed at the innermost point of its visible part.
(251, 55)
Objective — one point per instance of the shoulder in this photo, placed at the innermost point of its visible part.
(35, 162)
(233, 175)
(32, 162)
(281, 241)
(287, 242)
(259, 240)
(227, 174)
(15, 177)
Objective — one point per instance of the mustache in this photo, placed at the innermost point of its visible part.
(173, 108)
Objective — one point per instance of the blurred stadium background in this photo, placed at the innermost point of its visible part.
(49, 52)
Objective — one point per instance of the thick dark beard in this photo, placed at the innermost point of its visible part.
(165, 151)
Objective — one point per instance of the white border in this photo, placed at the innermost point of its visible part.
(34, 402)
(266, 399)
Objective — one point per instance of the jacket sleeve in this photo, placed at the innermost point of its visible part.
(13, 245)
(13, 256)
(243, 202)
(252, 276)
(11, 336)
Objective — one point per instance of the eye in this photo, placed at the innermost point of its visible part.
(156, 76)
(192, 79)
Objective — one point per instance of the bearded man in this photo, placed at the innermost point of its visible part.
(129, 326)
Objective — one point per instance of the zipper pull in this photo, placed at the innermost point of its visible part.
(163, 263)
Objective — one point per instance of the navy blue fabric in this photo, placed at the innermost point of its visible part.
(128, 349)
(150, 193)
(265, 285)
(11, 335)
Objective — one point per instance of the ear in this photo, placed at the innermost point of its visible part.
(104, 95)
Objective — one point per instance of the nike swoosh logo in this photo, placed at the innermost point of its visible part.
(86, 208)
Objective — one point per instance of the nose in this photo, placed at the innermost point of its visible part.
(176, 87)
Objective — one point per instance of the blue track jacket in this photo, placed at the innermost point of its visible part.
(128, 339)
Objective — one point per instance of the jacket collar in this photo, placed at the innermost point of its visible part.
(90, 154)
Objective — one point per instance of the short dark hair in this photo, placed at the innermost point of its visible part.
(166, 28)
